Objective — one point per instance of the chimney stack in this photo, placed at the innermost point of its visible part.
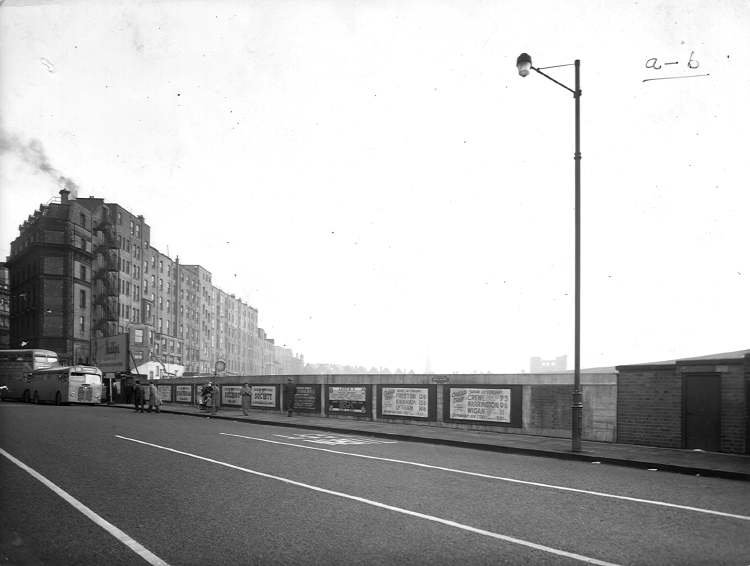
(64, 193)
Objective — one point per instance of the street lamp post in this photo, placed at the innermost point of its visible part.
(523, 63)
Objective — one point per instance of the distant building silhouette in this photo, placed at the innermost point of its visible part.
(538, 365)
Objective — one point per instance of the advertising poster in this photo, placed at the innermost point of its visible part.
(230, 395)
(111, 353)
(263, 396)
(165, 392)
(405, 402)
(343, 399)
(183, 393)
(480, 404)
(306, 398)
(347, 393)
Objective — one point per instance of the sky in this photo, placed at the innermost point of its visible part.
(380, 183)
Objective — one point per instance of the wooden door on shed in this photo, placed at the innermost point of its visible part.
(703, 411)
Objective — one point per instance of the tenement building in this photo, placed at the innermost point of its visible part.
(84, 269)
(4, 307)
(50, 272)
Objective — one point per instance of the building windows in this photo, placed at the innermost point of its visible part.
(138, 336)
(82, 298)
(82, 324)
(132, 228)
(83, 271)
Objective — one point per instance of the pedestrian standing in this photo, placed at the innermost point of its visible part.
(138, 396)
(289, 390)
(246, 392)
(215, 397)
(154, 399)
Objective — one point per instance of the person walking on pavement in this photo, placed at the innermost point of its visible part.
(246, 392)
(138, 396)
(154, 399)
(206, 395)
(289, 390)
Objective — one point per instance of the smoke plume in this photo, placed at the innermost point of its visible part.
(34, 155)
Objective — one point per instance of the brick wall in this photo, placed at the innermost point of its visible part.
(649, 407)
(733, 409)
(650, 404)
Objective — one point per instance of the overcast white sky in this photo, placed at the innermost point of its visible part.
(377, 180)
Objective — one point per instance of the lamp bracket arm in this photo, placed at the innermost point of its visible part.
(557, 82)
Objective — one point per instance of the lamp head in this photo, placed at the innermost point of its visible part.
(524, 64)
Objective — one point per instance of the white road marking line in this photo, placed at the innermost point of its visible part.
(335, 439)
(373, 503)
(124, 538)
(512, 480)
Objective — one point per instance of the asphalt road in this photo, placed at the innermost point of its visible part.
(127, 488)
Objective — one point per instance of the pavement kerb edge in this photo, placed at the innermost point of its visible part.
(660, 466)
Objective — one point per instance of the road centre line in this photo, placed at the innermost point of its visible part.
(124, 538)
(511, 480)
(461, 526)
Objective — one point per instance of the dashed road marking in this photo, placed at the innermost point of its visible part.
(124, 538)
(432, 518)
(501, 478)
(335, 439)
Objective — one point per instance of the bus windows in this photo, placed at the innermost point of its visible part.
(81, 377)
(42, 360)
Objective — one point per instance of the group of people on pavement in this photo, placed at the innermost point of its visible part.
(149, 393)
(146, 393)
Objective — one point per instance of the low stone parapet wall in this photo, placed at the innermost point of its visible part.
(537, 404)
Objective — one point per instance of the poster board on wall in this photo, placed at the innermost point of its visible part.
(264, 397)
(417, 402)
(354, 400)
(307, 398)
(499, 405)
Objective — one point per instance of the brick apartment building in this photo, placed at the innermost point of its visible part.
(50, 271)
(84, 268)
(4, 307)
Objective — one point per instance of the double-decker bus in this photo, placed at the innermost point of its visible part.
(16, 367)
(66, 384)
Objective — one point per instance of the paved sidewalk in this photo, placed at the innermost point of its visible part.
(696, 462)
